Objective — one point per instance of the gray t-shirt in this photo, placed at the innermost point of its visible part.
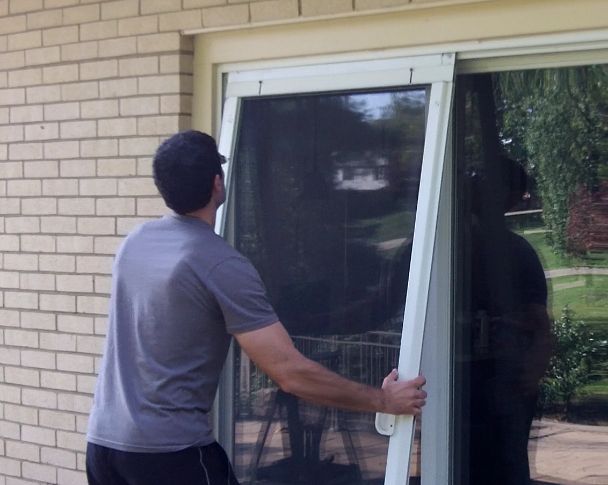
(178, 292)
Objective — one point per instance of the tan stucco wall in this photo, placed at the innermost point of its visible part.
(87, 91)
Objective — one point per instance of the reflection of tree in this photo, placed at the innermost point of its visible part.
(557, 120)
(296, 227)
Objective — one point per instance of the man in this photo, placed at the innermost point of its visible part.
(179, 293)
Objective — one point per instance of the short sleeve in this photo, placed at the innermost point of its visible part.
(241, 295)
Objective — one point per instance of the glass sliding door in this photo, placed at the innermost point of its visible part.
(531, 355)
(324, 193)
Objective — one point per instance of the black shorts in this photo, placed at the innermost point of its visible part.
(200, 465)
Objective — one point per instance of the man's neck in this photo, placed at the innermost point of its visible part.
(206, 214)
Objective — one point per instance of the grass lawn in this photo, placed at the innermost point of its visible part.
(551, 260)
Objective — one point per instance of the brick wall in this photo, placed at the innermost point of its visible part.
(87, 91)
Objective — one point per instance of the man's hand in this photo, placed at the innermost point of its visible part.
(404, 397)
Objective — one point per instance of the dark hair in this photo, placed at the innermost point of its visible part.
(185, 166)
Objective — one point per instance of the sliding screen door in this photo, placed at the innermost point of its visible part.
(325, 186)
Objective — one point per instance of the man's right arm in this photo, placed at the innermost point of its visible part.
(272, 350)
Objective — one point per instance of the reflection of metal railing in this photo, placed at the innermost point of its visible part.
(366, 358)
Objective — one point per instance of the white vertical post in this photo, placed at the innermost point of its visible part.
(400, 445)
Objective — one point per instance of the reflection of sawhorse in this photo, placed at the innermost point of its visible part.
(305, 464)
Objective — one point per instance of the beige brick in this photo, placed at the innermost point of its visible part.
(116, 88)
(20, 299)
(39, 206)
(21, 6)
(325, 7)
(60, 35)
(3, 76)
(10, 357)
(61, 149)
(37, 281)
(57, 420)
(107, 108)
(71, 477)
(138, 25)
(139, 106)
(103, 147)
(10, 394)
(94, 264)
(79, 51)
(24, 451)
(77, 168)
(71, 324)
(10, 467)
(75, 244)
(77, 206)
(42, 131)
(98, 186)
(58, 380)
(23, 188)
(21, 414)
(3, 152)
(9, 243)
(62, 111)
(9, 430)
(58, 458)
(81, 14)
(21, 262)
(118, 127)
(151, 207)
(99, 30)
(96, 225)
(118, 47)
(60, 3)
(158, 125)
(189, 19)
(166, 42)
(25, 77)
(21, 338)
(226, 15)
(98, 69)
(274, 10)
(78, 129)
(3, 8)
(25, 40)
(119, 9)
(12, 60)
(44, 19)
(25, 151)
(41, 169)
(137, 186)
(57, 262)
(38, 243)
(9, 170)
(11, 133)
(9, 318)
(377, 4)
(9, 279)
(120, 206)
(43, 94)
(59, 341)
(157, 6)
(70, 362)
(4, 116)
(38, 359)
(75, 283)
(13, 96)
(42, 55)
(60, 186)
(37, 320)
(60, 74)
(22, 225)
(15, 23)
(103, 285)
(34, 434)
(92, 304)
(106, 245)
(124, 225)
(176, 63)
(139, 66)
(58, 224)
(203, 3)
(58, 303)
(22, 377)
(116, 167)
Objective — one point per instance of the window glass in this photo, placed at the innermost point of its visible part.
(531, 366)
(325, 193)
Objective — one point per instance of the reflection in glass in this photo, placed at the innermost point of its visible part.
(532, 320)
(326, 198)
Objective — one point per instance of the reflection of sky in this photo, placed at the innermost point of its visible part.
(375, 105)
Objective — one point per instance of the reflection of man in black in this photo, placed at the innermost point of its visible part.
(511, 341)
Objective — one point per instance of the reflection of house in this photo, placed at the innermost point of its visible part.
(360, 171)
(588, 222)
